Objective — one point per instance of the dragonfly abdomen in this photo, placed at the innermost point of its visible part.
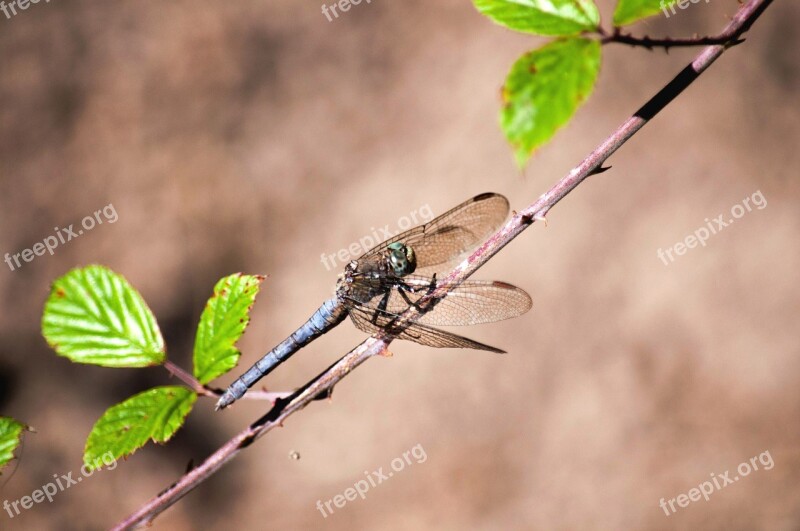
(331, 313)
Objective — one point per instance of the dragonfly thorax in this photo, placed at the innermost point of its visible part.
(364, 279)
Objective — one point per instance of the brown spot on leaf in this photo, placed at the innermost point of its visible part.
(505, 96)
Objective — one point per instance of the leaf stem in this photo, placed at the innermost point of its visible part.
(188, 379)
(204, 390)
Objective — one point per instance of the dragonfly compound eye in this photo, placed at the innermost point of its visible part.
(402, 259)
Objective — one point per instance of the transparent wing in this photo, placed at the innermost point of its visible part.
(446, 238)
(372, 320)
(472, 302)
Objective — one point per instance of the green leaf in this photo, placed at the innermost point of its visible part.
(94, 316)
(224, 319)
(542, 17)
(544, 89)
(154, 414)
(629, 11)
(10, 438)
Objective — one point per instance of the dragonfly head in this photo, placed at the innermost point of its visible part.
(402, 259)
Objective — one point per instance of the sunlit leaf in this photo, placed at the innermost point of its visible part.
(544, 89)
(10, 438)
(154, 414)
(542, 17)
(629, 11)
(94, 316)
(223, 322)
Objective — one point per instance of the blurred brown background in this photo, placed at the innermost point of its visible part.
(255, 136)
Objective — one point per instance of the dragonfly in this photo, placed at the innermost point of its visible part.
(393, 276)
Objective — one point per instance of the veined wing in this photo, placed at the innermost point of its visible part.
(472, 302)
(373, 320)
(447, 237)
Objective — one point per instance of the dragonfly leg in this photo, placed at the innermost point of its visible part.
(430, 287)
(404, 287)
(402, 292)
(382, 307)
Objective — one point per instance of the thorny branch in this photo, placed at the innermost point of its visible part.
(323, 384)
(725, 38)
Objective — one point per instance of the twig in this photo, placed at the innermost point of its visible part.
(324, 383)
(255, 394)
(647, 42)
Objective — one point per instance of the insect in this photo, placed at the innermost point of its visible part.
(392, 276)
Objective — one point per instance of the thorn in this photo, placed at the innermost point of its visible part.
(326, 394)
(601, 169)
(541, 217)
(386, 353)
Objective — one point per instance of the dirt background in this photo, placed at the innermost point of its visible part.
(256, 136)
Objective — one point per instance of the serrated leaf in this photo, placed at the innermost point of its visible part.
(223, 322)
(542, 17)
(544, 89)
(629, 11)
(154, 414)
(93, 315)
(10, 438)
